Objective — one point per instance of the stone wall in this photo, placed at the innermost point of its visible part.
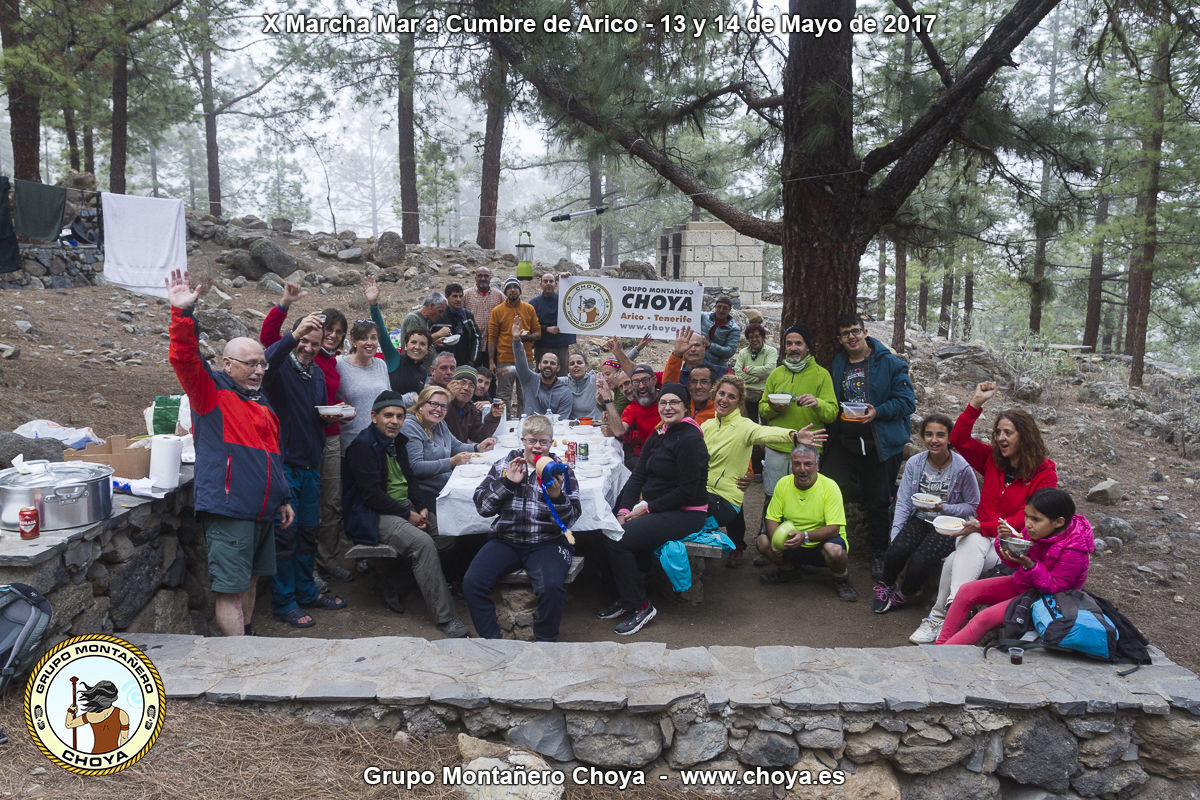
(915, 722)
(142, 569)
(713, 253)
(50, 267)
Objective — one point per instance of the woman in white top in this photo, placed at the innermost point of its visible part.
(362, 376)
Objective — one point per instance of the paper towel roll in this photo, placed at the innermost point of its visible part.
(165, 452)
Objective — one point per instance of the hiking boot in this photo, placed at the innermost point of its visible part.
(927, 632)
(611, 611)
(636, 620)
(877, 568)
(845, 591)
(393, 601)
(362, 565)
(760, 560)
(883, 597)
(454, 629)
(337, 573)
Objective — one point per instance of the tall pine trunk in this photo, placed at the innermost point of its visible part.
(900, 301)
(595, 198)
(72, 137)
(947, 299)
(1095, 290)
(881, 281)
(24, 101)
(1043, 228)
(410, 223)
(495, 92)
(120, 121)
(1143, 264)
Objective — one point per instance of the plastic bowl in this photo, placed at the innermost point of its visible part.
(925, 502)
(782, 531)
(948, 526)
(854, 409)
(1018, 547)
(329, 411)
(779, 398)
(452, 339)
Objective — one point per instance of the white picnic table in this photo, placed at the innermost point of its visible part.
(601, 479)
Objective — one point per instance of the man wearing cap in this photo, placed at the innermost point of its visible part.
(502, 335)
(479, 301)
(636, 423)
(528, 533)
(384, 507)
(863, 455)
(463, 418)
(553, 340)
(812, 504)
(811, 402)
(541, 391)
(722, 333)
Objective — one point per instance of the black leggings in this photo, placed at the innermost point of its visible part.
(630, 555)
(730, 518)
(922, 548)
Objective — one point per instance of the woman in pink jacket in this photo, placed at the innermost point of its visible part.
(1057, 562)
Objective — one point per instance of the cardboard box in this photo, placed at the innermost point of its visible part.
(127, 462)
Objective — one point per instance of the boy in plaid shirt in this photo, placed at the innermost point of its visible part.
(525, 534)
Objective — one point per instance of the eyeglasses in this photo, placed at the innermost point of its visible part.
(529, 440)
(669, 403)
(700, 381)
(436, 404)
(264, 366)
(852, 333)
(643, 380)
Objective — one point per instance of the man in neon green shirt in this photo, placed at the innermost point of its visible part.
(812, 503)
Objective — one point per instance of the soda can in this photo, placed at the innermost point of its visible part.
(583, 451)
(570, 457)
(27, 521)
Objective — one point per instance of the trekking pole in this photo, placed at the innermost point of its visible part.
(75, 705)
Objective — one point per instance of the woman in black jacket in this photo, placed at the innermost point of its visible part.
(664, 499)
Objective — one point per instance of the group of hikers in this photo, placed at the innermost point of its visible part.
(338, 433)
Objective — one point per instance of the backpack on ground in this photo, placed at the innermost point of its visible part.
(24, 619)
(1073, 622)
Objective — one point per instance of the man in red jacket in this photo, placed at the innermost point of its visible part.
(239, 482)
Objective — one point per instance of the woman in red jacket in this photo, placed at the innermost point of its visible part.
(1014, 466)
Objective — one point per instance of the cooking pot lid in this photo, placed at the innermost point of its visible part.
(54, 474)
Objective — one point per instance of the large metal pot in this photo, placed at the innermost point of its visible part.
(66, 495)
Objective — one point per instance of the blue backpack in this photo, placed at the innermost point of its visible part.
(1073, 622)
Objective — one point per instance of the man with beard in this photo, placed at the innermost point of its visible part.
(812, 504)
(503, 336)
(636, 423)
(384, 507)
(553, 340)
(813, 402)
(295, 386)
(479, 301)
(463, 418)
(541, 391)
(462, 324)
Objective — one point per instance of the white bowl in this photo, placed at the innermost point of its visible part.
(779, 398)
(948, 526)
(452, 339)
(925, 502)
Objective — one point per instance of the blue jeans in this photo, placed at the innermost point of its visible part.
(547, 564)
(296, 545)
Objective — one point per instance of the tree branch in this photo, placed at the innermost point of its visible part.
(130, 29)
(935, 58)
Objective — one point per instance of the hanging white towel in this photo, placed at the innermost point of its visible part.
(144, 239)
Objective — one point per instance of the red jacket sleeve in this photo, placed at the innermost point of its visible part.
(974, 451)
(184, 355)
(272, 326)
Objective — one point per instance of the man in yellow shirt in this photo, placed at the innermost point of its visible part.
(812, 503)
(500, 339)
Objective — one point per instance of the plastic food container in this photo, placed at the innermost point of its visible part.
(948, 526)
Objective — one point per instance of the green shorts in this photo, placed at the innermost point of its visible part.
(237, 549)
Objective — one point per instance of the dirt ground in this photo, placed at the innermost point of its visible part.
(96, 357)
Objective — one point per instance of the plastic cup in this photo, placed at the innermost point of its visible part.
(1016, 655)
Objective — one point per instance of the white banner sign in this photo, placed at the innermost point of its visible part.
(617, 307)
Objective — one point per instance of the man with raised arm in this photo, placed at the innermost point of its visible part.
(239, 482)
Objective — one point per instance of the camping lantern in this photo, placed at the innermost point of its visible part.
(524, 256)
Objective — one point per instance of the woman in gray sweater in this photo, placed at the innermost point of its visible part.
(433, 451)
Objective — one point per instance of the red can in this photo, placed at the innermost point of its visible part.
(27, 521)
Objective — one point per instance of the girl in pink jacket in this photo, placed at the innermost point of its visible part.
(1057, 562)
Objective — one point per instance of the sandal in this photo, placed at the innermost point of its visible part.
(296, 618)
(780, 576)
(329, 602)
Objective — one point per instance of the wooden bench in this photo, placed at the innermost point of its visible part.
(699, 556)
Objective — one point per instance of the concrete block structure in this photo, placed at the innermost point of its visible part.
(714, 254)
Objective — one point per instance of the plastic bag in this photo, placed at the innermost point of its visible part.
(75, 438)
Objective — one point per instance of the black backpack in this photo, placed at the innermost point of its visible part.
(24, 618)
(1076, 622)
